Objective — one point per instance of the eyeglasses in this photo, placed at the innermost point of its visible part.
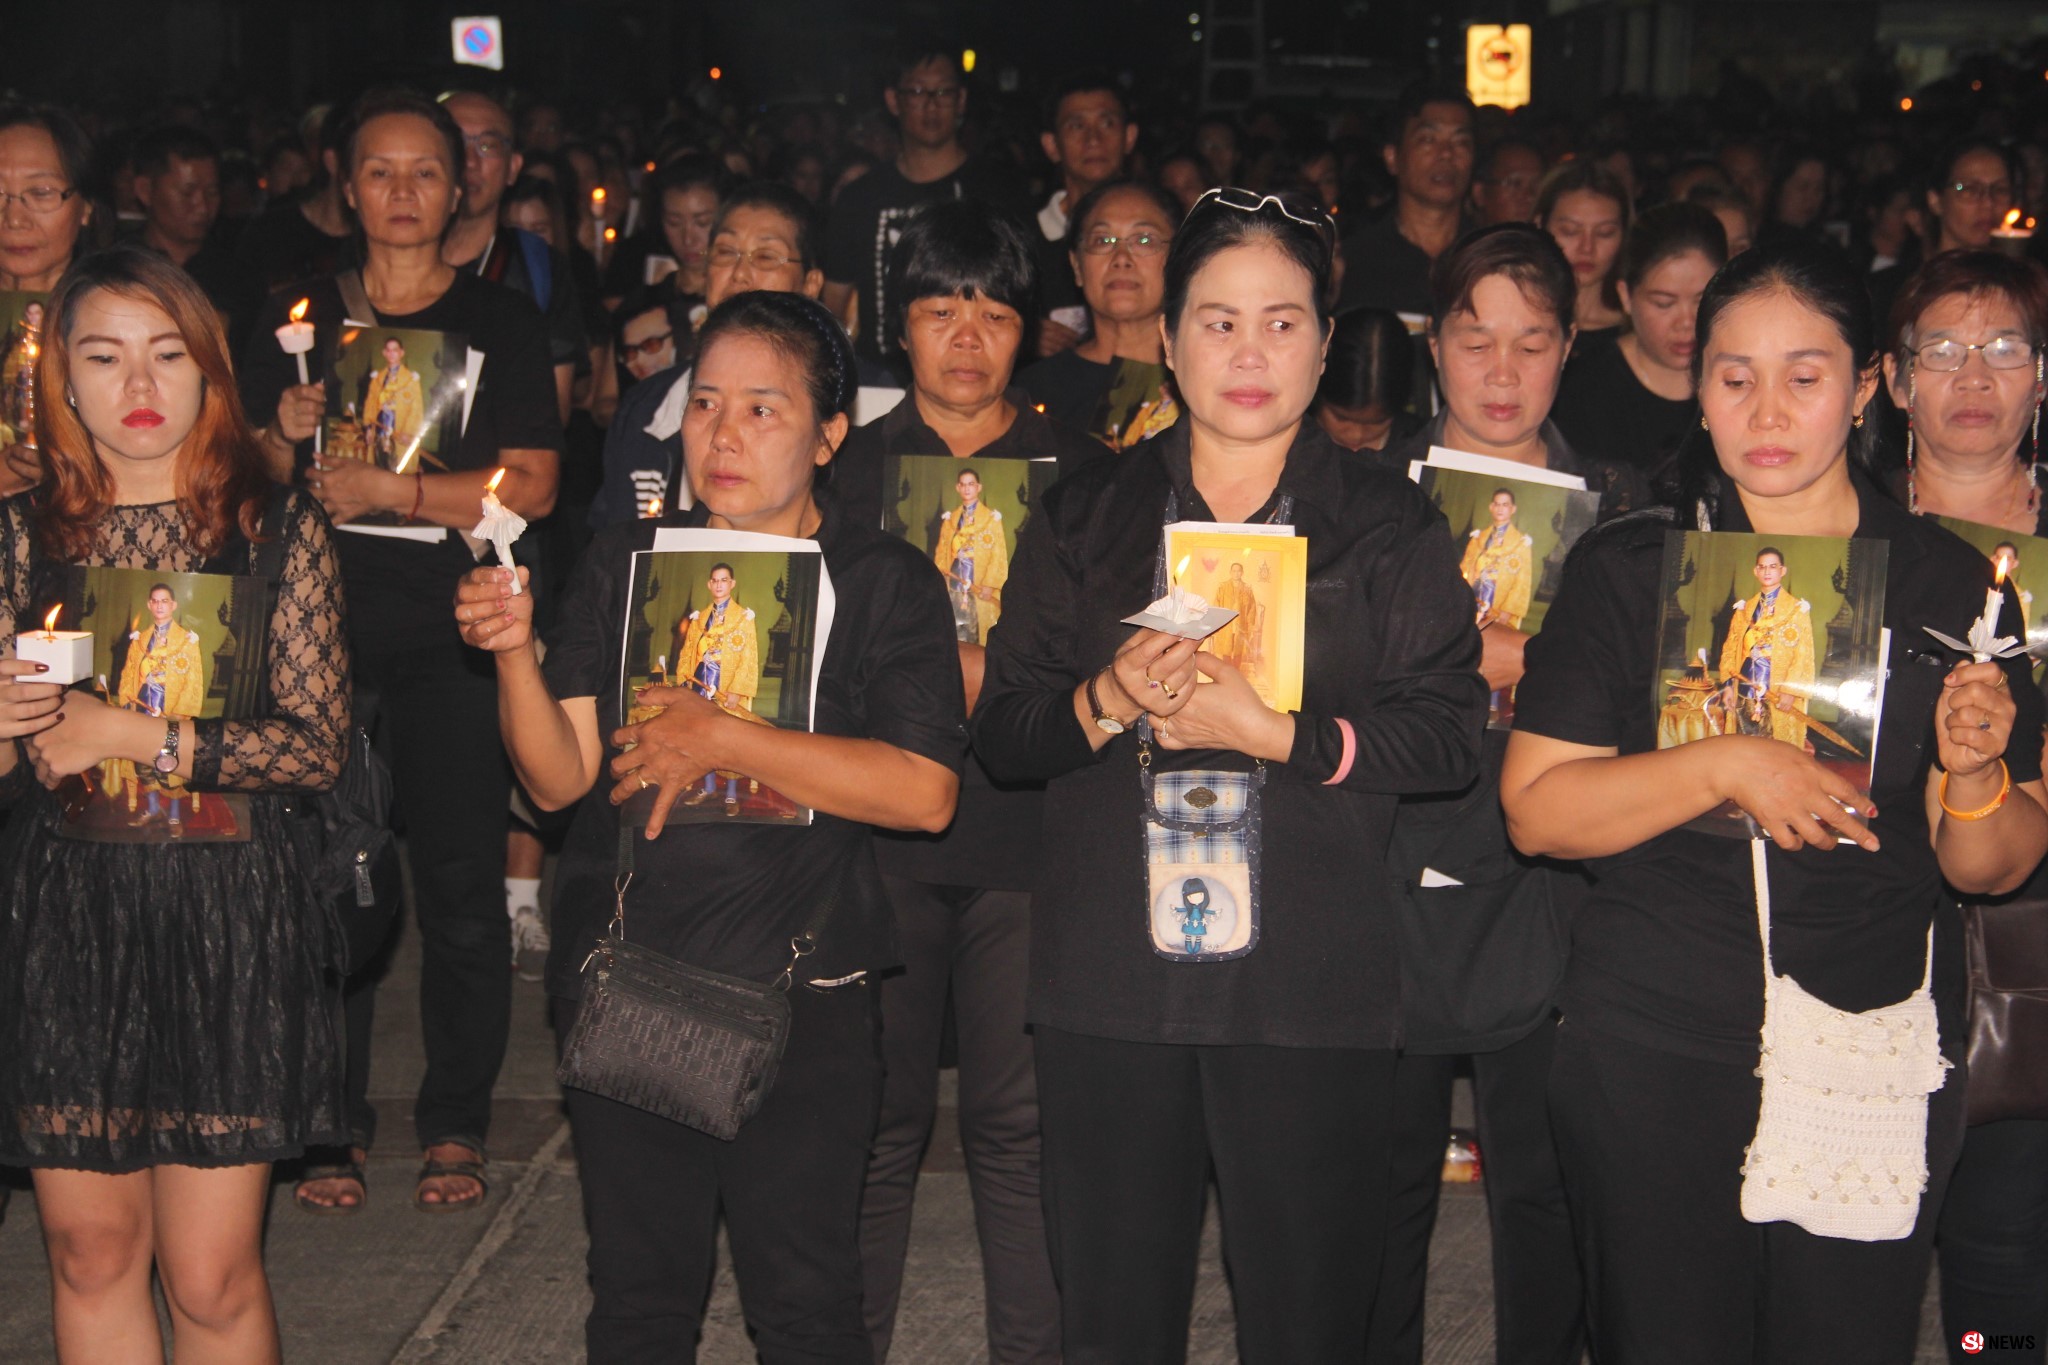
(487, 145)
(2000, 353)
(37, 198)
(761, 259)
(650, 347)
(1139, 243)
(933, 94)
(1246, 201)
(1980, 191)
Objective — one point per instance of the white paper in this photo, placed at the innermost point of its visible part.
(871, 402)
(1211, 621)
(426, 535)
(1230, 528)
(1432, 877)
(1443, 457)
(472, 373)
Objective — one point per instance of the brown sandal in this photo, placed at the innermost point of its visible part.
(351, 1169)
(468, 1170)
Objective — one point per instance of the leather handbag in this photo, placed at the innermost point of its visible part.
(690, 1045)
(2007, 947)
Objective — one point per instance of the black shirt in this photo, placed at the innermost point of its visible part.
(396, 585)
(727, 897)
(1390, 647)
(868, 217)
(1665, 950)
(233, 291)
(1605, 411)
(281, 246)
(993, 841)
(510, 259)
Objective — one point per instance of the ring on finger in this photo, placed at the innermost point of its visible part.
(1983, 725)
(1171, 695)
(644, 784)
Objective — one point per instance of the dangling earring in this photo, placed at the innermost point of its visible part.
(1703, 421)
(1912, 491)
(1857, 421)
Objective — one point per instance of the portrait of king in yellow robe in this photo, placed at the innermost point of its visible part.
(164, 675)
(1238, 641)
(975, 559)
(1767, 661)
(395, 408)
(721, 658)
(1498, 563)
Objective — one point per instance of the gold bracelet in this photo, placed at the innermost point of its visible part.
(2004, 791)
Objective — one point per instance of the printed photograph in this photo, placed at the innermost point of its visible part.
(1512, 537)
(2025, 560)
(1778, 636)
(741, 629)
(964, 516)
(180, 646)
(1264, 579)
(21, 331)
(394, 397)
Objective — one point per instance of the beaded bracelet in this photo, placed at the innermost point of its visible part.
(2004, 791)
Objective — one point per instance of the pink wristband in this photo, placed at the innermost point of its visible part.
(1350, 753)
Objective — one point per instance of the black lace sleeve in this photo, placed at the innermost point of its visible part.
(14, 602)
(302, 745)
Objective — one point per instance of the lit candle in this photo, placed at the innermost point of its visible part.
(500, 526)
(2014, 235)
(599, 237)
(296, 337)
(67, 654)
(654, 507)
(1178, 595)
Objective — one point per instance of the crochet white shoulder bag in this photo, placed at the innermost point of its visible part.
(1841, 1138)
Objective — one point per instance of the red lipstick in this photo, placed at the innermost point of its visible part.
(143, 417)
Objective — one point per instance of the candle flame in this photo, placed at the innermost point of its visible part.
(298, 313)
(597, 199)
(1998, 574)
(611, 234)
(50, 621)
(1181, 567)
(2012, 218)
(496, 479)
(654, 507)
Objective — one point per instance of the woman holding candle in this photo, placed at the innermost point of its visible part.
(1276, 1066)
(1965, 365)
(1654, 1090)
(768, 400)
(401, 167)
(164, 1031)
(45, 172)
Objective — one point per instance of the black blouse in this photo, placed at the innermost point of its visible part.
(1390, 647)
(1665, 951)
(727, 897)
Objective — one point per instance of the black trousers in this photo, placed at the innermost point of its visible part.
(975, 945)
(439, 717)
(1299, 1142)
(1652, 1145)
(789, 1185)
(1993, 1241)
(1538, 1312)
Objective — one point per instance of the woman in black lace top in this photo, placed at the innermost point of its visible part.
(162, 1032)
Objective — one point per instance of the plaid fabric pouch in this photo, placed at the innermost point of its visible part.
(1202, 862)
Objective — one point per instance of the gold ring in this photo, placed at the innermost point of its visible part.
(643, 780)
(1171, 695)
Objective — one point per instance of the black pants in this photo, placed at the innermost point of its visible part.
(1538, 1315)
(789, 1184)
(439, 715)
(1993, 1241)
(975, 944)
(1299, 1141)
(1652, 1146)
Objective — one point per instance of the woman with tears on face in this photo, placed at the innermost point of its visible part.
(1655, 1086)
(1268, 1056)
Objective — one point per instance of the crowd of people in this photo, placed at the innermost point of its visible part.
(747, 323)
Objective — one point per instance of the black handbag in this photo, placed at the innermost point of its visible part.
(688, 1044)
(2007, 945)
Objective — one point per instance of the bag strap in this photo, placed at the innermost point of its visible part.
(354, 298)
(1760, 873)
(267, 555)
(801, 944)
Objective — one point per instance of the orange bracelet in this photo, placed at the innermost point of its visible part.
(2004, 791)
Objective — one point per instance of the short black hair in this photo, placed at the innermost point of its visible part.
(1941, 170)
(375, 104)
(1371, 362)
(1507, 493)
(688, 172)
(1527, 255)
(963, 247)
(800, 329)
(1770, 550)
(1482, 169)
(1084, 83)
(155, 148)
(918, 50)
(777, 197)
(1419, 95)
(644, 300)
(1666, 231)
(1077, 220)
(1213, 227)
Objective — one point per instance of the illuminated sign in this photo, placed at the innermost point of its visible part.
(1497, 62)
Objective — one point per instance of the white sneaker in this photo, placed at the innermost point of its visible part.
(530, 943)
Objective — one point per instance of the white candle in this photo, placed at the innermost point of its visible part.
(296, 337)
(501, 526)
(66, 654)
(1994, 602)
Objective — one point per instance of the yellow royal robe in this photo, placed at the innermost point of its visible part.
(1505, 555)
(177, 664)
(981, 543)
(406, 397)
(1785, 634)
(1234, 641)
(733, 644)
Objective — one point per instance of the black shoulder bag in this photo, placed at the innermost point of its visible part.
(688, 1044)
(343, 835)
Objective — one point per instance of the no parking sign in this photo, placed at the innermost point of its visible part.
(480, 41)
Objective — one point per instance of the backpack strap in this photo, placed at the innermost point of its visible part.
(540, 267)
(354, 298)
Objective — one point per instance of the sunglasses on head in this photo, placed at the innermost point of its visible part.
(1248, 201)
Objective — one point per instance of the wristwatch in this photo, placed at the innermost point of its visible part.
(1108, 724)
(166, 760)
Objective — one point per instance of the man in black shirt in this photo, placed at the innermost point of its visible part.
(177, 182)
(298, 239)
(1088, 138)
(1429, 154)
(927, 100)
